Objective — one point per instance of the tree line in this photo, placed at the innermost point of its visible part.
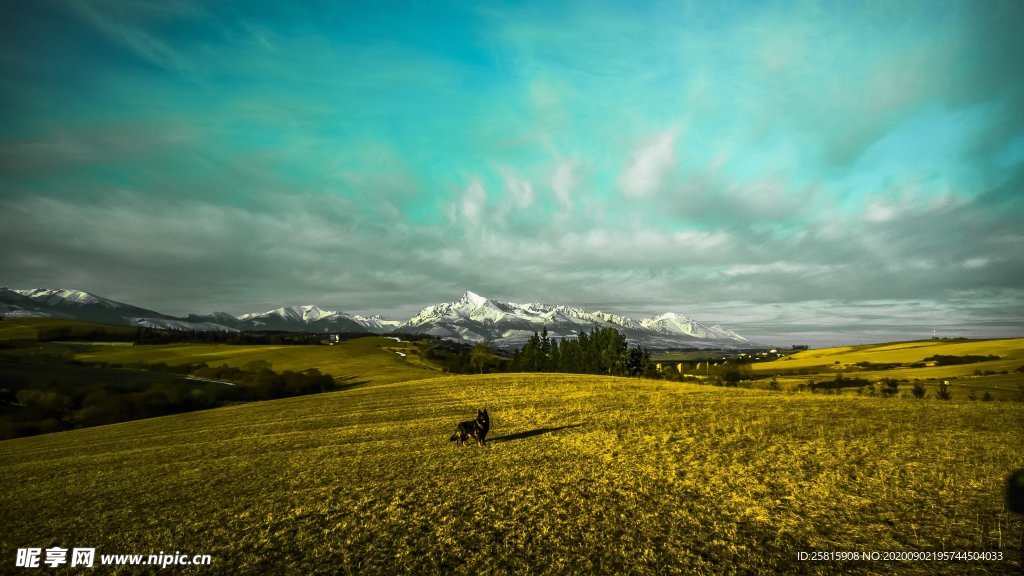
(50, 407)
(600, 351)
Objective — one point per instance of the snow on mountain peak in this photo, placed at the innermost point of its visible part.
(309, 312)
(306, 313)
(673, 323)
(53, 296)
(472, 318)
(473, 299)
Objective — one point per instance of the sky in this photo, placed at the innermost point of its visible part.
(822, 172)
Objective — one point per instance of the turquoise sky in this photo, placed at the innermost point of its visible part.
(716, 159)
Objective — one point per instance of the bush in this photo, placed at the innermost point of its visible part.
(918, 390)
(943, 392)
(890, 387)
(952, 360)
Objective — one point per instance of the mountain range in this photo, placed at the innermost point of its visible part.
(472, 318)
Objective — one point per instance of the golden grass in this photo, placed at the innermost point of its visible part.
(1010, 350)
(371, 359)
(584, 475)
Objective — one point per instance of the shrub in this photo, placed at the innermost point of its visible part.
(943, 392)
(951, 360)
(918, 390)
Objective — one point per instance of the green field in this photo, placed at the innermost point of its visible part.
(372, 360)
(29, 329)
(583, 475)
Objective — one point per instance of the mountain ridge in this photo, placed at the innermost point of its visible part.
(472, 318)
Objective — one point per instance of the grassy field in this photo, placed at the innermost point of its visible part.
(583, 475)
(1010, 351)
(965, 380)
(22, 329)
(366, 360)
(373, 360)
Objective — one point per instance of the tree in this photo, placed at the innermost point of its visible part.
(479, 357)
(944, 393)
(918, 390)
(545, 349)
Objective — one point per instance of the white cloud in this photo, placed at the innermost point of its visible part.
(701, 240)
(644, 175)
(520, 190)
(773, 267)
(879, 212)
(563, 181)
(975, 263)
(473, 201)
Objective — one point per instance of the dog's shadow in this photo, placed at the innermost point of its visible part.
(531, 433)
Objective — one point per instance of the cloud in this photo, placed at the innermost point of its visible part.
(473, 202)
(562, 183)
(519, 190)
(770, 268)
(975, 263)
(649, 165)
(878, 211)
(124, 30)
(840, 154)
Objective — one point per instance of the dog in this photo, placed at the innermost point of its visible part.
(473, 428)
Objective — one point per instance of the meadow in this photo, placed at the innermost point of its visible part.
(1009, 350)
(582, 475)
(906, 361)
(370, 360)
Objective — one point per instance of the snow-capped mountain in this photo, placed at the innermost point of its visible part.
(377, 323)
(15, 305)
(80, 305)
(471, 318)
(671, 323)
(474, 318)
(308, 318)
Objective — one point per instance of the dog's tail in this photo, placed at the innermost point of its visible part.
(454, 437)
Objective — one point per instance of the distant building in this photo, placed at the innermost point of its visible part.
(335, 339)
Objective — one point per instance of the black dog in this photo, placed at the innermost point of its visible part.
(476, 428)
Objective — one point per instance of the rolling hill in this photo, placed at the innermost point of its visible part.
(582, 475)
(866, 358)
